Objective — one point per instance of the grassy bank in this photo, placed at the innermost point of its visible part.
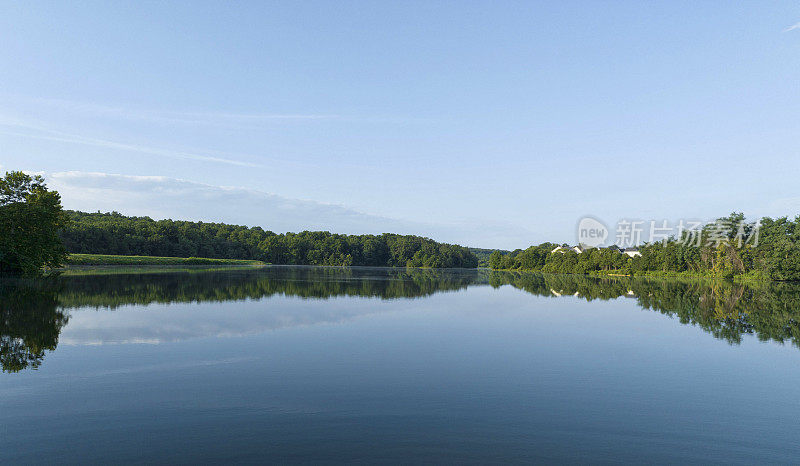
(103, 259)
(92, 270)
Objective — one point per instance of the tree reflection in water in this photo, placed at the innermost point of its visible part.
(32, 313)
(727, 310)
(30, 322)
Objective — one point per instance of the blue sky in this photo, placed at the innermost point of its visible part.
(492, 124)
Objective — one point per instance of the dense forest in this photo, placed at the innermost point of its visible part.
(114, 233)
(720, 249)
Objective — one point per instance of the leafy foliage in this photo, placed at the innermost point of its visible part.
(30, 218)
(483, 255)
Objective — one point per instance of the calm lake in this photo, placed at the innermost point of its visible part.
(364, 365)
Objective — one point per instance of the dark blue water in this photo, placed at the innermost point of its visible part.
(371, 365)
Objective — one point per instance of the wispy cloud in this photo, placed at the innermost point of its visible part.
(792, 27)
(162, 116)
(164, 197)
(181, 322)
(36, 131)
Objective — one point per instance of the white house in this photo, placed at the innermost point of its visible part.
(562, 249)
(632, 252)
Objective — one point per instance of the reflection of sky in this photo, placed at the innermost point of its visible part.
(158, 323)
(481, 375)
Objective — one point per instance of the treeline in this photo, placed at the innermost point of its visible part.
(725, 248)
(114, 233)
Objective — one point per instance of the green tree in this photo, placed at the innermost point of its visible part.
(496, 260)
(30, 220)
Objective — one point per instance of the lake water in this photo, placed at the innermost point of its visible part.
(365, 365)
